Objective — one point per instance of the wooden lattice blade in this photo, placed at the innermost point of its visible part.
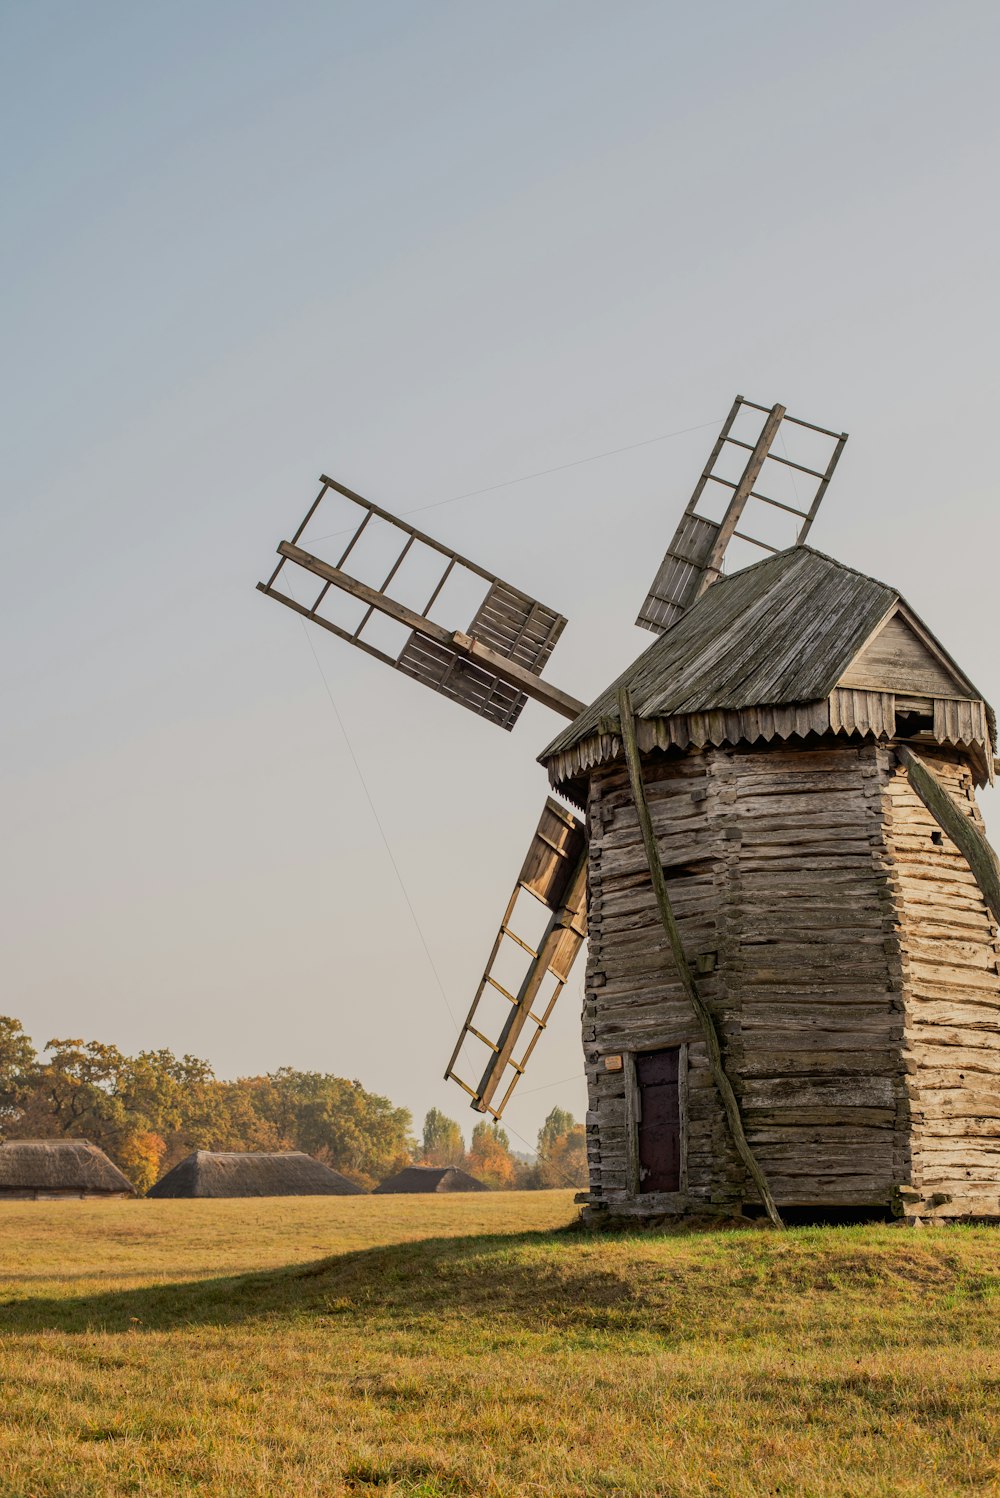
(554, 873)
(491, 668)
(698, 550)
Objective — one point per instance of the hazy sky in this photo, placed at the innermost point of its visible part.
(426, 248)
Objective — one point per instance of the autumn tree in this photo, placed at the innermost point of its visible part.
(562, 1151)
(443, 1143)
(489, 1156)
(18, 1064)
(150, 1110)
(141, 1156)
(78, 1087)
(355, 1131)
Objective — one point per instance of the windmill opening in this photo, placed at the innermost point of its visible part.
(911, 721)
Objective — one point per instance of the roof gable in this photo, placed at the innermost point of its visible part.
(781, 631)
(902, 657)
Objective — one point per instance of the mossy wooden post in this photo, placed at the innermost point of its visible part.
(961, 829)
(670, 926)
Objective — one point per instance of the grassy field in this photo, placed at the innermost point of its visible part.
(469, 1346)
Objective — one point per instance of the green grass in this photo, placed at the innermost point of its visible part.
(469, 1346)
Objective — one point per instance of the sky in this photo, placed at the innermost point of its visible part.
(428, 249)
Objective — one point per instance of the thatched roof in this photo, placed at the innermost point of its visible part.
(429, 1178)
(248, 1173)
(59, 1165)
(779, 633)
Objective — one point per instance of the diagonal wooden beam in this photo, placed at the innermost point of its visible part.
(962, 830)
(741, 494)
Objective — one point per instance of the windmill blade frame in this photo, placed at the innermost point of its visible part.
(491, 668)
(694, 558)
(555, 873)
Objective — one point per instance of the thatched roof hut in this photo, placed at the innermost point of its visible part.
(250, 1173)
(422, 1179)
(34, 1169)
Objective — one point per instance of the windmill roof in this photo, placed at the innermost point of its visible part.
(59, 1165)
(781, 631)
(251, 1173)
(429, 1178)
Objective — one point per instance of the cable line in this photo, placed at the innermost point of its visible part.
(540, 473)
(401, 881)
(382, 832)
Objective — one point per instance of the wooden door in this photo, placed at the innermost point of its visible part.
(657, 1079)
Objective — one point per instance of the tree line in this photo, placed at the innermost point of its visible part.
(561, 1158)
(150, 1110)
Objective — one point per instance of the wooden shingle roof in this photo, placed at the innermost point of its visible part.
(780, 632)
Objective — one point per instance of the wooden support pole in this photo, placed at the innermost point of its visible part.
(670, 926)
(962, 830)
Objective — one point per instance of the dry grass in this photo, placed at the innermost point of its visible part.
(426, 1346)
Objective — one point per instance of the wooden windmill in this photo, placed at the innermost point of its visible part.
(792, 993)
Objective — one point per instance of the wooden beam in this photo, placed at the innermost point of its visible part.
(737, 504)
(517, 676)
(705, 1020)
(502, 666)
(335, 629)
(548, 947)
(404, 525)
(372, 596)
(824, 482)
(962, 830)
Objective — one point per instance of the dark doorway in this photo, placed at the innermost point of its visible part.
(657, 1079)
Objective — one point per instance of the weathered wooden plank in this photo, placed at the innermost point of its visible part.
(821, 1092)
(898, 660)
(960, 828)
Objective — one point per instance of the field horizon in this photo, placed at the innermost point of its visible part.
(472, 1345)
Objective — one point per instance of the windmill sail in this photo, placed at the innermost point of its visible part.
(695, 556)
(491, 668)
(555, 874)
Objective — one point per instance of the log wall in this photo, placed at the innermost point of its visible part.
(949, 967)
(633, 1000)
(848, 960)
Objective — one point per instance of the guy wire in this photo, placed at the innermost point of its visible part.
(540, 473)
(382, 832)
(399, 876)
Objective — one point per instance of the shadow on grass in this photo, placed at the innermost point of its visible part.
(707, 1283)
(410, 1282)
